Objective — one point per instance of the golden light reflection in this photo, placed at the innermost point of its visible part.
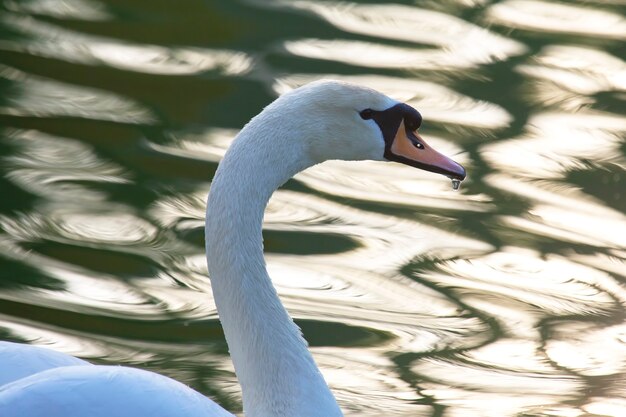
(84, 291)
(36, 96)
(514, 353)
(209, 145)
(57, 339)
(509, 374)
(171, 61)
(467, 387)
(614, 263)
(406, 23)
(524, 372)
(386, 241)
(551, 193)
(552, 285)
(609, 231)
(557, 143)
(379, 56)
(341, 287)
(590, 349)
(543, 16)
(461, 44)
(184, 290)
(90, 10)
(97, 292)
(569, 76)
(76, 222)
(117, 228)
(612, 407)
(393, 184)
(59, 168)
(563, 212)
(362, 375)
(52, 41)
(403, 234)
(355, 301)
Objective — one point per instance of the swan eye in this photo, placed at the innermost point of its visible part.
(414, 140)
(367, 114)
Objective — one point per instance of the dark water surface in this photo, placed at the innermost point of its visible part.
(503, 299)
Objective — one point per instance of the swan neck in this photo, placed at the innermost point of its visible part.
(276, 371)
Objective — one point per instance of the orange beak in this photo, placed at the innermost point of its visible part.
(409, 148)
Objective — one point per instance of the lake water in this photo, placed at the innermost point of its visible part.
(506, 298)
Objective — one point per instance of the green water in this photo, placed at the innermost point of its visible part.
(505, 298)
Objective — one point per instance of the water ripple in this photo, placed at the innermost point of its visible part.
(59, 169)
(461, 44)
(467, 385)
(543, 16)
(551, 286)
(363, 376)
(557, 143)
(32, 95)
(90, 10)
(340, 287)
(569, 76)
(590, 349)
(405, 235)
(392, 185)
(408, 23)
(51, 41)
(378, 56)
(563, 213)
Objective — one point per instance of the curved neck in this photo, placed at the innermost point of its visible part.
(278, 375)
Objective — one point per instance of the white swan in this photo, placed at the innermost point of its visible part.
(279, 378)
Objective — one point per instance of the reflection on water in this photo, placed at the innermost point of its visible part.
(58, 168)
(460, 43)
(76, 9)
(39, 97)
(546, 16)
(52, 41)
(569, 77)
(503, 299)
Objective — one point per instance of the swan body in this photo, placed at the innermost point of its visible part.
(103, 391)
(18, 361)
(278, 376)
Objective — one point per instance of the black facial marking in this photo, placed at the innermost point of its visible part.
(367, 114)
(389, 121)
(412, 119)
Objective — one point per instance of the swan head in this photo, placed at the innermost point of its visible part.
(344, 121)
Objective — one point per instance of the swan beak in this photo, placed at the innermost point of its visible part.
(409, 148)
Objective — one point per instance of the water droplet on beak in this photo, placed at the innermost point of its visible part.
(455, 184)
